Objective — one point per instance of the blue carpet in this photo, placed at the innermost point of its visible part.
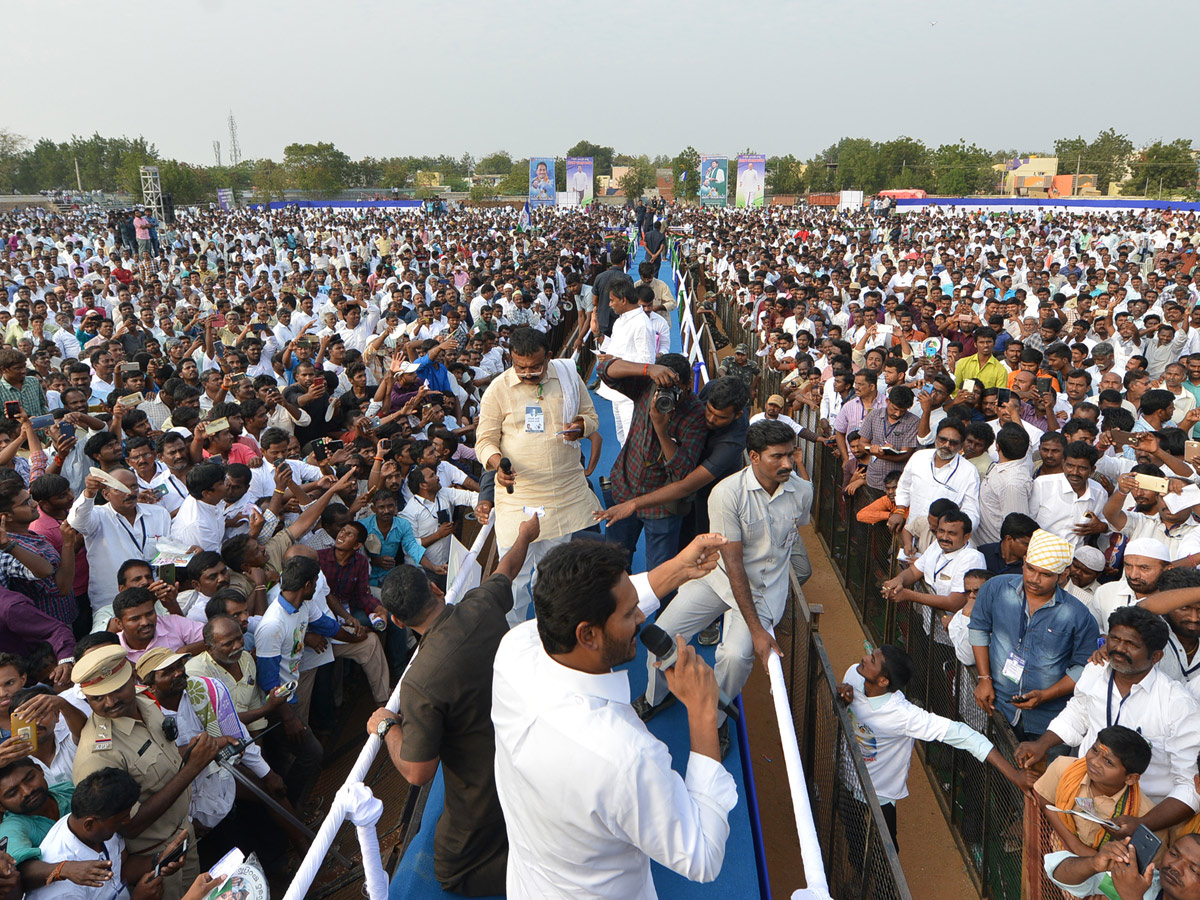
(739, 875)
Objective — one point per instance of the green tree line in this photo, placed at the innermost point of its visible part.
(111, 164)
(962, 168)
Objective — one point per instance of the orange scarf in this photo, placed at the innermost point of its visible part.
(1068, 790)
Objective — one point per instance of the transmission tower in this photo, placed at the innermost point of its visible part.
(235, 149)
(217, 152)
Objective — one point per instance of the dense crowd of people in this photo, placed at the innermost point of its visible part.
(238, 450)
(1015, 398)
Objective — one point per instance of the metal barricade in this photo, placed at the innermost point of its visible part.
(986, 814)
(860, 858)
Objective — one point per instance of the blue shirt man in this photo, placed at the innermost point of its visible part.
(1031, 638)
(430, 369)
(397, 543)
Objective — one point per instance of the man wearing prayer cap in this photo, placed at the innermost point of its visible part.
(1145, 560)
(1085, 568)
(1031, 639)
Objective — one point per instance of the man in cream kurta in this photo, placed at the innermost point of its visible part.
(521, 421)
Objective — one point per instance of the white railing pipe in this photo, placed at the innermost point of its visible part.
(810, 847)
(354, 800)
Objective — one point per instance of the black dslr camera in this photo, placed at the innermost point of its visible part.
(666, 399)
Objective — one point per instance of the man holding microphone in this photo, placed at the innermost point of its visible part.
(588, 794)
(531, 419)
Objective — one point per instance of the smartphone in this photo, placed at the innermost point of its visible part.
(385, 446)
(1122, 438)
(334, 446)
(161, 490)
(1044, 385)
(1003, 395)
(166, 573)
(1191, 451)
(1151, 483)
(175, 854)
(258, 326)
(12, 409)
(320, 452)
(66, 430)
(130, 368)
(40, 422)
(216, 425)
(1146, 845)
(25, 730)
(132, 399)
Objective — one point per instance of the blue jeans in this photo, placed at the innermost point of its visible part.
(662, 537)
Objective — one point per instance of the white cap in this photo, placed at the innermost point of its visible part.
(1148, 547)
(1090, 557)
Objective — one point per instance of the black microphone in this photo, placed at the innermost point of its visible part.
(662, 645)
(506, 468)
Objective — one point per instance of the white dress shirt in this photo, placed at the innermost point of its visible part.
(1177, 665)
(1057, 509)
(661, 330)
(632, 338)
(200, 524)
(61, 845)
(589, 795)
(1162, 710)
(176, 490)
(1005, 489)
(922, 482)
(422, 514)
(110, 539)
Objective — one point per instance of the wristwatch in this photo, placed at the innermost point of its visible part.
(383, 727)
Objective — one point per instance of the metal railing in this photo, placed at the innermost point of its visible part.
(986, 814)
(852, 839)
(354, 800)
(984, 811)
(783, 689)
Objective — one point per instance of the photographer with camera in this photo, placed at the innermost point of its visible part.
(667, 431)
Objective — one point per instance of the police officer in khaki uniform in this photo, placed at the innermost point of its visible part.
(126, 731)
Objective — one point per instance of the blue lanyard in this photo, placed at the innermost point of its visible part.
(1182, 660)
(1112, 677)
(937, 572)
(933, 470)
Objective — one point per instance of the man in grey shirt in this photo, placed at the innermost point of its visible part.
(759, 511)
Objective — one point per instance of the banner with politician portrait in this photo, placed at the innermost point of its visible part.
(714, 184)
(579, 180)
(541, 181)
(751, 180)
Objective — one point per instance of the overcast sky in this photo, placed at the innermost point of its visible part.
(534, 77)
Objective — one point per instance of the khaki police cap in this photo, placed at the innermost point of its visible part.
(102, 671)
(157, 658)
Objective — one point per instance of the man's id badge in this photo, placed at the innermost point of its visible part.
(535, 420)
(1014, 667)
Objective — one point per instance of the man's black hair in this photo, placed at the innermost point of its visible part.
(575, 585)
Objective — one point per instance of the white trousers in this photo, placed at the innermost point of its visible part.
(522, 586)
(694, 607)
(622, 415)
